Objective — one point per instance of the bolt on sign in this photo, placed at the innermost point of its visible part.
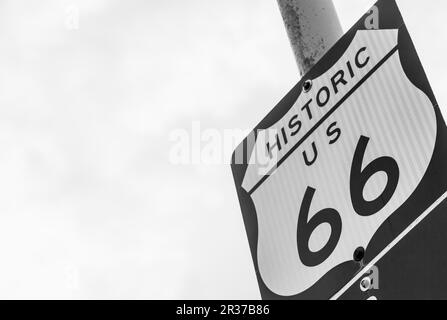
(347, 174)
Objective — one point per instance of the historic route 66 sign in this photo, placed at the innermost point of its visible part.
(351, 158)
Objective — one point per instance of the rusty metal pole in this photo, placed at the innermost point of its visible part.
(313, 28)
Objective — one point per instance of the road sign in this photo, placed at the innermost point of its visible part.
(346, 168)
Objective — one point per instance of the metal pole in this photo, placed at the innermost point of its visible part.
(313, 28)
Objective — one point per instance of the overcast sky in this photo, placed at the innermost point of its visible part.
(90, 205)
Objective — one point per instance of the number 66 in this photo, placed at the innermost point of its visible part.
(362, 207)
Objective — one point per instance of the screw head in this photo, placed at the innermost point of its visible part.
(365, 284)
(307, 85)
(359, 254)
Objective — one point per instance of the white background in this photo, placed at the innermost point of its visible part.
(90, 206)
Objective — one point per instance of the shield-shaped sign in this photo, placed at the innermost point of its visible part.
(345, 167)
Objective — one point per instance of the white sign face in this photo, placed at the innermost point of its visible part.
(349, 152)
(380, 144)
